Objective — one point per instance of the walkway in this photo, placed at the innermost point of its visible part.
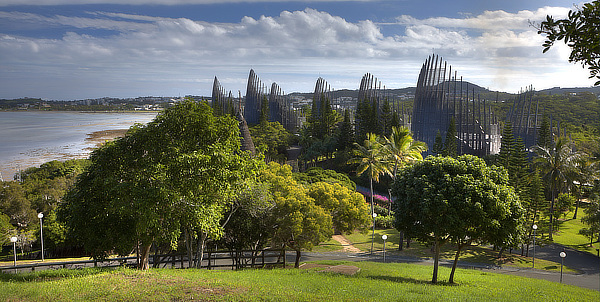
(346, 244)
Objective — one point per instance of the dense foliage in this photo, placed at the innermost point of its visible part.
(176, 173)
(442, 199)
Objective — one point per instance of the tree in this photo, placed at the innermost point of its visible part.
(544, 138)
(450, 143)
(564, 204)
(386, 118)
(402, 149)
(6, 229)
(536, 201)
(318, 174)
(370, 157)
(557, 165)
(14, 203)
(346, 207)
(462, 200)
(438, 144)
(271, 139)
(246, 223)
(295, 221)
(346, 134)
(591, 219)
(580, 32)
(177, 173)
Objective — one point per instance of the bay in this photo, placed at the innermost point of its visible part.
(31, 138)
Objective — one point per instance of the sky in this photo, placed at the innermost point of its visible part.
(68, 50)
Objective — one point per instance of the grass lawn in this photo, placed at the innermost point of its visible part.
(568, 234)
(330, 245)
(475, 254)
(375, 282)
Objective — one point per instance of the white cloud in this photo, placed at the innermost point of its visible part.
(164, 56)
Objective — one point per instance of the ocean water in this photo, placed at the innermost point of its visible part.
(30, 138)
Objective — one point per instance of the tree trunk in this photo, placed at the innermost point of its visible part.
(200, 249)
(297, 262)
(401, 243)
(436, 261)
(551, 216)
(578, 199)
(451, 280)
(143, 265)
(372, 214)
(188, 246)
(500, 253)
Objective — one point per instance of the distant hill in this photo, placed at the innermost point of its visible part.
(408, 91)
(559, 90)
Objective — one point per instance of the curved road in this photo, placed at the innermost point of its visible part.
(587, 265)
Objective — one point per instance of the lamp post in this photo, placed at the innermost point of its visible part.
(534, 227)
(562, 258)
(384, 237)
(373, 233)
(40, 216)
(13, 239)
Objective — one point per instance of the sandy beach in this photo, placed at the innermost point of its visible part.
(39, 156)
(98, 138)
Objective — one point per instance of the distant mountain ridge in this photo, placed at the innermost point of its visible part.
(466, 86)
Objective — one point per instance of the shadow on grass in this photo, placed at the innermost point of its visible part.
(410, 280)
(47, 275)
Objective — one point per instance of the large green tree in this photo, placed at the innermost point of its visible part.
(295, 221)
(462, 200)
(176, 173)
(347, 208)
(271, 139)
(581, 32)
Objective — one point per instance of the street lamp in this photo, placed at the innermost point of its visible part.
(562, 258)
(534, 229)
(40, 216)
(373, 233)
(384, 237)
(13, 239)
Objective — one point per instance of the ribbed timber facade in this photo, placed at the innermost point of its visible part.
(439, 97)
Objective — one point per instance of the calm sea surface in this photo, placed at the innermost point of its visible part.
(31, 138)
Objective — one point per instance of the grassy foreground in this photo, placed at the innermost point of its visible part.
(375, 282)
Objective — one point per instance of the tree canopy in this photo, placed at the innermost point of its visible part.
(459, 200)
(176, 173)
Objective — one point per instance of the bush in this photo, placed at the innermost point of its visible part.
(384, 222)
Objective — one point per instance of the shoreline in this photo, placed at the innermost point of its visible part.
(93, 141)
(99, 138)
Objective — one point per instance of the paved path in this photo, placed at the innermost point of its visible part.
(587, 265)
(346, 244)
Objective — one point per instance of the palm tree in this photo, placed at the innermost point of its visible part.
(557, 164)
(370, 158)
(402, 149)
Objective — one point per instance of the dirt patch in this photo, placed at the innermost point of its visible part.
(98, 138)
(346, 244)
